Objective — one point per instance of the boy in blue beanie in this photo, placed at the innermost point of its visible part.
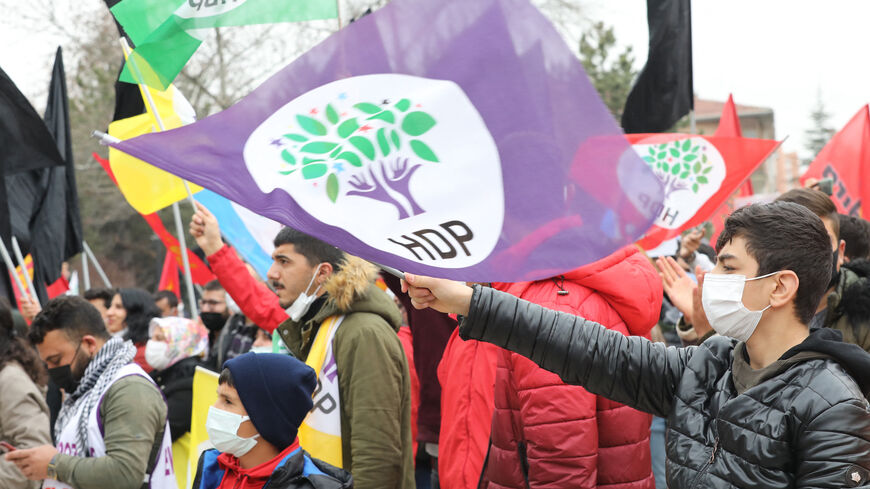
(262, 400)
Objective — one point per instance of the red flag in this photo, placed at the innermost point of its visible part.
(198, 269)
(846, 160)
(729, 126)
(169, 276)
(729, 123)
(699, 173)
(58, 288)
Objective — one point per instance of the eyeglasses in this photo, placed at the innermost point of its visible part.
(210, 302)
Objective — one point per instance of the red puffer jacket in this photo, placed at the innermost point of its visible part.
(546, 434)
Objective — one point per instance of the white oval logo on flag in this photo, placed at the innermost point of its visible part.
(405, 164)
(691, 170)
(206, 8)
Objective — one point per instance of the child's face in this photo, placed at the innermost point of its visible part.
(734, 259)
(228, 400)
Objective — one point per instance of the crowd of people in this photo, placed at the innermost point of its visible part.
(736, 363)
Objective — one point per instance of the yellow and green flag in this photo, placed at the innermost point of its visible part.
(166, 33)
(146, 187)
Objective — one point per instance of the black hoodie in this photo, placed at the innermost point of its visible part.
(821, 343)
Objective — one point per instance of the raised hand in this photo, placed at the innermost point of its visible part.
(699, 317)
(678, 285)
(205, 230)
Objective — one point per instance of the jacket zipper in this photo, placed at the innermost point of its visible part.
(707, 465)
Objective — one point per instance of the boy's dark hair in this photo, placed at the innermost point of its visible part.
(226, 378)
(856, 233)
(169, 295)
(213, 286)
(786, 236)
(141, 309)
(14, 349)
(100, 293)
(816, 201)
(314, 250)
(75, 316)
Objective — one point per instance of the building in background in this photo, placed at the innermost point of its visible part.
(781, 171)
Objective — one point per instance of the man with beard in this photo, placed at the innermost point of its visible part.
(846, 305)
(112, 429)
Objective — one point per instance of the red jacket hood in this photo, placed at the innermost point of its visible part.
(626, 280)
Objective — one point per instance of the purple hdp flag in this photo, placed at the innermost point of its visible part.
(441, 137)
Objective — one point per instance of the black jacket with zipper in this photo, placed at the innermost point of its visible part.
(806, 426)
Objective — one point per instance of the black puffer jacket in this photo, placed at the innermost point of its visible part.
(807, 426)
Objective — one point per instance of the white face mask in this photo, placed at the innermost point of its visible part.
(222, 427)
(722, 297)
(156, 354)
(302, 303)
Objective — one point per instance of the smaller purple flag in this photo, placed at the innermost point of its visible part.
(440, 137)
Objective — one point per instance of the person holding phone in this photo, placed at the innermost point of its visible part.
(23, 412)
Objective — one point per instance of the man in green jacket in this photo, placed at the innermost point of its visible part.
(112, 430)
(345, 327)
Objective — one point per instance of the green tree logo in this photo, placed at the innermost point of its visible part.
(360, 152)
(680, 165)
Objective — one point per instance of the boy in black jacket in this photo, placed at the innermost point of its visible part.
(766, 403)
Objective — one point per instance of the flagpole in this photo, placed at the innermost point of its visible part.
(188, 277)
(11, 267)
(18, 256)
(176, 212)
(86, 274)
(338, 12)
(99, 268)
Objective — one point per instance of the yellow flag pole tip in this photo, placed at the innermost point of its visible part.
(104, 138)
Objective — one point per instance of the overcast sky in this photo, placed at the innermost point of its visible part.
(770, 53)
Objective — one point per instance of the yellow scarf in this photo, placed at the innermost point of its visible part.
(320, 433)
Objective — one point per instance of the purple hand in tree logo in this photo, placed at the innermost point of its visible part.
(680, 165)
(372, 140)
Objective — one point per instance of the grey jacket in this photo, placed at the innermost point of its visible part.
(806, 426)
(23, 420)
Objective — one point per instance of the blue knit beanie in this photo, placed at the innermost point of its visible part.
(276, 392)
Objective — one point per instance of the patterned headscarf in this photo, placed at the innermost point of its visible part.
(186, 338)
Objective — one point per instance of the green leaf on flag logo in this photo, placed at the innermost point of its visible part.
(314, 170)
(312, 126)
(319, 147)
(417, 123)
(332, 187)
(364, 146)
(368, 108)
(382, 142)
(331, 114)
(422, 150)
(347, 128)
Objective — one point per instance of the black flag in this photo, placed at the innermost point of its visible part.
(27, 152)
(663, 92)
(57, 228)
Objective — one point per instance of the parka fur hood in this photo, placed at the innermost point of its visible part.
(350, 283)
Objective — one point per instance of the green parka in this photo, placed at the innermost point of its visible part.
(373, 376)
(849, 304)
